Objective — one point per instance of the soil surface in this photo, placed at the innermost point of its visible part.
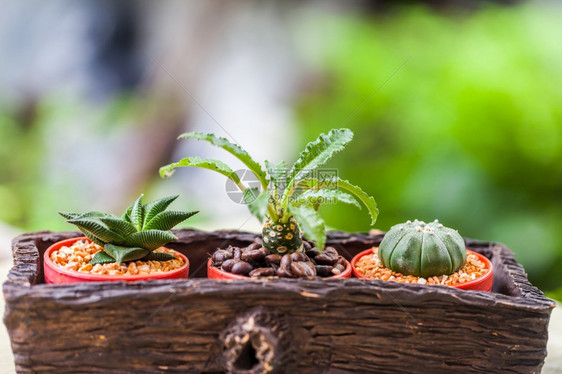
(371, 267)
(77, 257)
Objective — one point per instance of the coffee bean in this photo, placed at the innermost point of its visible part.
(303, 269)
(221, 256)
(241, 268)
(237, 253)
(338, 269)
(341, 261)
(298, 256)
(324, 270)
(306, 245)
(328, 257)
(285, 263)
(262, 272)
(255, 255)
(253, 246)
(227, 265)
(312, 252)
(265, 251)
(284, 273)
(272, 259)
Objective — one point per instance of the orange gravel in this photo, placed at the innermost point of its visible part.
(371, 267)
(77, 257)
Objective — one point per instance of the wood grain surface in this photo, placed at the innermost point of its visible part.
(282, 325)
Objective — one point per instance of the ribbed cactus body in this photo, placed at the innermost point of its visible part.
(422, 249)
(282, 237)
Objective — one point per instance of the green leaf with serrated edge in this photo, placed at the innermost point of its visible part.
(137, 213)
(101, 257)
(150, 239)
(83, 215)
(311, 224)
(167, 220)
(277, 176)
(257, 203)
(69, 215)
(339, 183)
(93, 214)
(127, 215)
(124, 254)
(318, 152)
(322, 196)
(233, 149)
(119, 225)
(153, 208)
(92, 238)
(158, 256)
(367, 200)
(97, 229)
(216, 165)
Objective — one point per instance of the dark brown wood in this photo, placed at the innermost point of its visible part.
(261, 340)
(312, 326)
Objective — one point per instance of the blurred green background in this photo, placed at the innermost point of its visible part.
(457, 114)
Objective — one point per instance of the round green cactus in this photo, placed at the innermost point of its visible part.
(282, 237)
(422, 249)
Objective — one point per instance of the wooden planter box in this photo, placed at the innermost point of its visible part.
(287, 326)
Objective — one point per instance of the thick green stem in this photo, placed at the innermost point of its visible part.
(285, 201)
(239, 185)
(271, 211)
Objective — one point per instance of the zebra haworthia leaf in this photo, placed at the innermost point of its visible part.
(140, 230)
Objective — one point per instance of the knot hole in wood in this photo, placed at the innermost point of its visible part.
(257, 341)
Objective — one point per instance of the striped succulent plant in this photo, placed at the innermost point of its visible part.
(133, 236)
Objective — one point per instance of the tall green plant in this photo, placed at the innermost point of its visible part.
(289, 200)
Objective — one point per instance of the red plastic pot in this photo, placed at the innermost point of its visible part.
(483, 283)
(56, 275)
(214, 272)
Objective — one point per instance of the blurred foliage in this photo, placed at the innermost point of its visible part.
(38, 160)
(469, 130)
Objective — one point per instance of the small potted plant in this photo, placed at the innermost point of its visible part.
(425, 253)
(287, 203)
(126, 248)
